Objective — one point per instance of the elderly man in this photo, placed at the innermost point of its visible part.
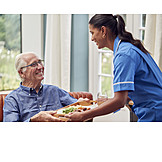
(33, 101)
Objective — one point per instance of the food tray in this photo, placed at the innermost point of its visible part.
(61, 115)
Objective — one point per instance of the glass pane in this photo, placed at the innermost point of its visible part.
(9, 47)
(143, 20)
(106, 83)
(106, 63)
(143, 35)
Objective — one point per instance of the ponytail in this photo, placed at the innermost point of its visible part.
(127, 36)
(116, 25)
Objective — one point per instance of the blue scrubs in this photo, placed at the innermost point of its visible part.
(138, 73)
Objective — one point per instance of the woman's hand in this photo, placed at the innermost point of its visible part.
(45, 116)
(75, 117)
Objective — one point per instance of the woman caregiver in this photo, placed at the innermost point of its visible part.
(136, 75)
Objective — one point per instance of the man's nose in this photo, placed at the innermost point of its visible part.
(39, 65)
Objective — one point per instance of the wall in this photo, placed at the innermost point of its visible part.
(32, 37)
(79, 53)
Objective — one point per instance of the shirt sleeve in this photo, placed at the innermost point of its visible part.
(28, 120)
(65, 98)
(10, 110)
(124, 71)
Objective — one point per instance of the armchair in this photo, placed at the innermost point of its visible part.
(76, 95)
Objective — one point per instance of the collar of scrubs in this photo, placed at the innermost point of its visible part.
(28, 89)
(116, 44)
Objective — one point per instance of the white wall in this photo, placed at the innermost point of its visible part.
(32, 33)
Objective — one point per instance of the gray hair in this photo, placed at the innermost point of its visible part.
(20, 62)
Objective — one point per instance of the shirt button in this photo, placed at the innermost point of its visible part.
(40, 105)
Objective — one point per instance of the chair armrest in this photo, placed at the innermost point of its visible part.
(2, 97)
(78, 95)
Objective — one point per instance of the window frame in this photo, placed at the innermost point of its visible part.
(100, 74)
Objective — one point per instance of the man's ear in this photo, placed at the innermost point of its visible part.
(20, 72)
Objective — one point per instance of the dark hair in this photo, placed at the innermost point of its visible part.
(116, 25)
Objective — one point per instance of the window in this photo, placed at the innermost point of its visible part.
(105, 72)
(142, 26)
(10, 46)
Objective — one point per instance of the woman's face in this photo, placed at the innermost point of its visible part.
(97, 36)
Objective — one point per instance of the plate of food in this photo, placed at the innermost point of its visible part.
(76, 107)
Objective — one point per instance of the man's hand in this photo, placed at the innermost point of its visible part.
(45, 116)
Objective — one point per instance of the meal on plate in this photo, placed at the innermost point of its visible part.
(77, 108)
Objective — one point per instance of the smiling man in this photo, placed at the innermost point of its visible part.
(33, 101)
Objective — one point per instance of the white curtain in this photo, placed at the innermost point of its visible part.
(93, 66)
(57, 50)
(153, 36)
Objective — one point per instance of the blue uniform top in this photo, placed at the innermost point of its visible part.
(138, 73)
(23, 103)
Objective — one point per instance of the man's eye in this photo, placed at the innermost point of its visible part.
(34, 64)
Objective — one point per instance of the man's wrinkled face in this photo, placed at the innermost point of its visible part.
(33, 73)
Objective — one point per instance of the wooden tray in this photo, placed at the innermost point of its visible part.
(79, 103)
(62, 115)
